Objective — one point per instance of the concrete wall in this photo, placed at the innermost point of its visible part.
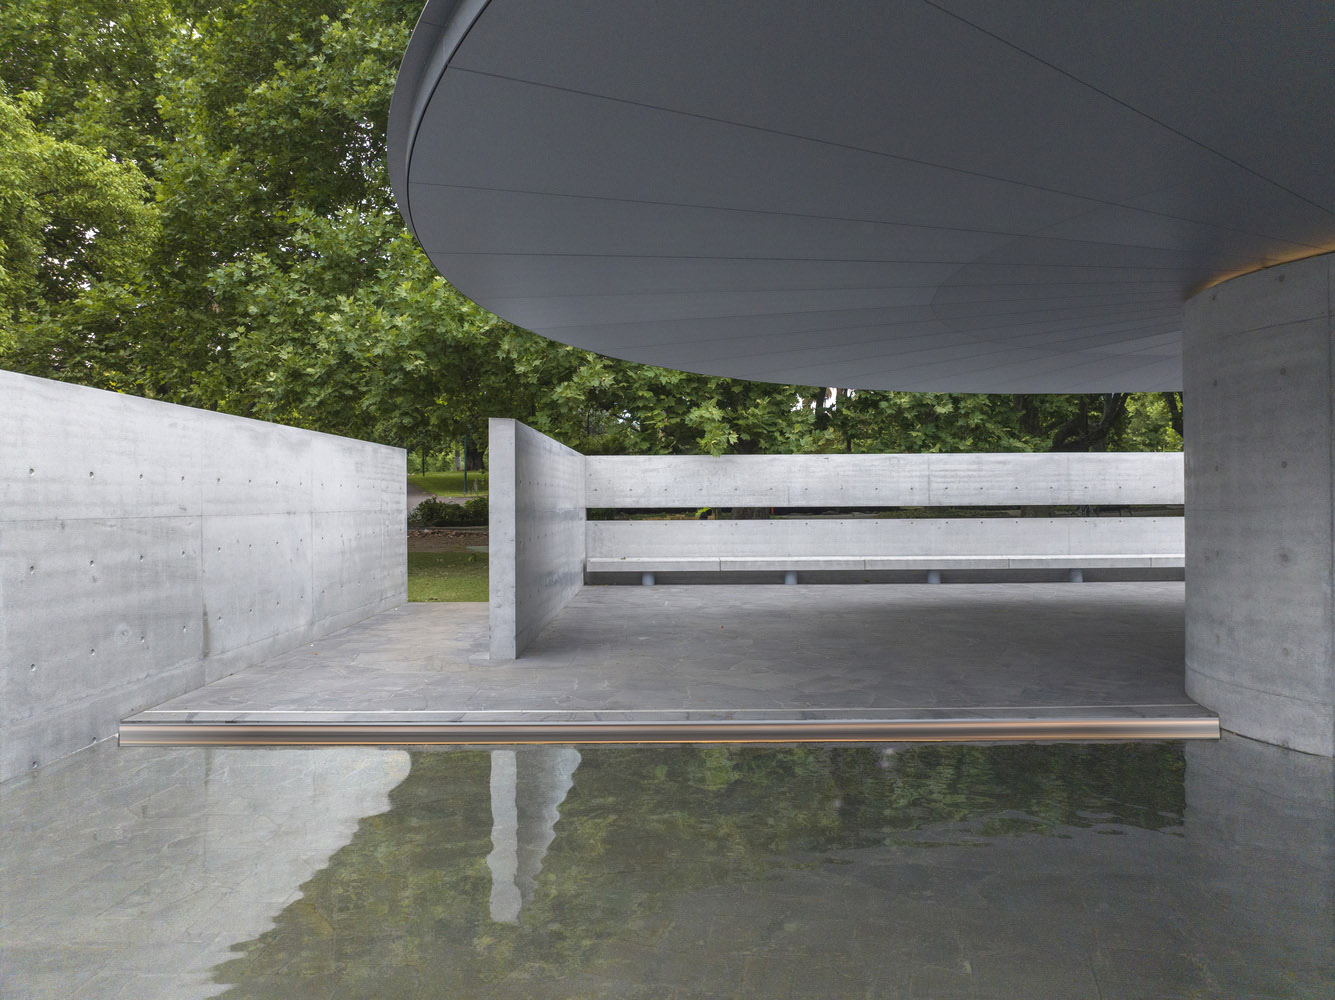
(1260, 629)
(536, 489)
(984, 543)
(147, 549)
(883, 480)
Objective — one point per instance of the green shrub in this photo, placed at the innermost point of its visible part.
(433, 513)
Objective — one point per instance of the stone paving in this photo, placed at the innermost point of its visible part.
(968, 650)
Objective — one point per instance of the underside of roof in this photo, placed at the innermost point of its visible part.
(940, 195)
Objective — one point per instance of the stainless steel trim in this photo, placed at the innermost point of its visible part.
(798, 731)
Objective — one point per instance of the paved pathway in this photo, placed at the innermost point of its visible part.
(416, 496)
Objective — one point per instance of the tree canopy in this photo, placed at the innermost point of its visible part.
(194, 206)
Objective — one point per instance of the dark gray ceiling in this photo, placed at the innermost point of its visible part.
(952, 195)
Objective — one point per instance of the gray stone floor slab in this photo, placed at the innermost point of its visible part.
(979, 650)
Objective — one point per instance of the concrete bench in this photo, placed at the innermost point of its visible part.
(929, 546)
(932, 566)
(631, 564)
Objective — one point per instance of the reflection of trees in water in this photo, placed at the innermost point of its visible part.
(407, 907)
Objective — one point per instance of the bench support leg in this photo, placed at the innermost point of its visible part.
(1076, 576)
(933, 576)
(790, 578)
(646, 579)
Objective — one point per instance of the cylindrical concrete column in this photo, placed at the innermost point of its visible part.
(1260, 504)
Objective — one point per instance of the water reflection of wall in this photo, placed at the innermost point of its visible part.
(273, 819)
(527, 789)
(1261, 824)
(134, 873)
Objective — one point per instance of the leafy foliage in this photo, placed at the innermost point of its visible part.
(75, 231)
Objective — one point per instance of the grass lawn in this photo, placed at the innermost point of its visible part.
(447, 576)
(450, 484)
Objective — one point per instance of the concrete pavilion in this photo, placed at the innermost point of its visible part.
(949, 195)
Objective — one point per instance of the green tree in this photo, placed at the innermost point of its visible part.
(75, 233)
(91, 72)
(357, 334)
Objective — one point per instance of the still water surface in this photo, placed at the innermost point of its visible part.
(1095, 870)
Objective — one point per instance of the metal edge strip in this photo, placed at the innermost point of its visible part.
(801, 731)
(440, 30)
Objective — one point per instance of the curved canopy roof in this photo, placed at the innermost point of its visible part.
(953, 195)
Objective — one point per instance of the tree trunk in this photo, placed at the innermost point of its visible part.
(1174, 410)
(1078, 434)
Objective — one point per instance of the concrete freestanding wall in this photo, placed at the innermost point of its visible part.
(147, 549)
(537, 514)
(1260, 519)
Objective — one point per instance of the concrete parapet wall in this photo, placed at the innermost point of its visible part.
(147, 549)
(1259, 365)
(537, 513)
(884, 480)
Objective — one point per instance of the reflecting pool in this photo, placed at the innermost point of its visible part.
(1007, 871)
